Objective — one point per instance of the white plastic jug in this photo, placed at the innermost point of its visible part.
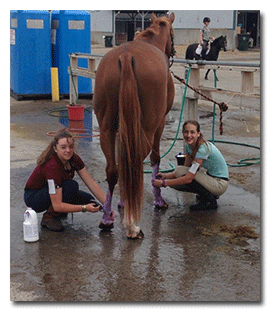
(30, 226)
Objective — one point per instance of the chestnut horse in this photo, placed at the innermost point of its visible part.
(133, 93)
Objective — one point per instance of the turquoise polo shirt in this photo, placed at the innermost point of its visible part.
(213, 160)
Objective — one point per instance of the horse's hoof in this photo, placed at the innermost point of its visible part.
(107, 227)
(139, 236)
(205, 78)
(161, 207)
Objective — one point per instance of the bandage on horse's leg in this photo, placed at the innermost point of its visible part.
(159, 201)
(155, 160)
(108, 219)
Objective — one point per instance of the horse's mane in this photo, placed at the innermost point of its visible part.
(153, 30)
(216, 40)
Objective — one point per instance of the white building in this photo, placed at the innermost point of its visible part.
(122, 25)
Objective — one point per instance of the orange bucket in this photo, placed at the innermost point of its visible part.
(76, 112)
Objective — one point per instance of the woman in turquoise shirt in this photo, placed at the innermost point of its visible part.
(208, 185)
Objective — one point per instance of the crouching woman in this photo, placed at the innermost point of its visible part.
(199, 153)
(51, 188)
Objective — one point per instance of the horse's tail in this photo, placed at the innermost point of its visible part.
(130, 159)
(188, 53)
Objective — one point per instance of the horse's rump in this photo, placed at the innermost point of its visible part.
(191, 50)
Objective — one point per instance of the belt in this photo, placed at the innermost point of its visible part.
(224, 178)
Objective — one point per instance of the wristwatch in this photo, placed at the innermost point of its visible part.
(84, 208)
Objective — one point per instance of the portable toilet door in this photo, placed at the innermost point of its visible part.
(30, 54)
(71, 34)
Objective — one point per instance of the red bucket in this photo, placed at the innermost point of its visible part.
(76, 113)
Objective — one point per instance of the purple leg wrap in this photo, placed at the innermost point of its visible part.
(156, 190)
(108, 218)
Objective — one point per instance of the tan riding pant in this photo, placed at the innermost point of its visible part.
(214, 185)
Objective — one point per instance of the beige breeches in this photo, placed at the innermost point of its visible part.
(214, 185)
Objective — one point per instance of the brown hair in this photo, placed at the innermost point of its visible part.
(49, 151)
(201, 140)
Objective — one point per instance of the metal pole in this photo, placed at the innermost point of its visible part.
(194, 62)
(142, 15)
(221, 63)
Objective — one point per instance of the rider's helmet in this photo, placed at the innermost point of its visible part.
(206, 19)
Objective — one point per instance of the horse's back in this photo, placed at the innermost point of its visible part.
(150, 67)
(148, 61)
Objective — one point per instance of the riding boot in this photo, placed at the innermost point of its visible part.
(204, 50)
(63, 215)
(51, 221)
(203, 54)
(207, 199)
(199, 198)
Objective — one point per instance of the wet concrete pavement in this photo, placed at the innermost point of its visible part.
(185, 256)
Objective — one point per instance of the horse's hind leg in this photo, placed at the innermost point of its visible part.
(155, 161)
(107, 140)
(206, 75)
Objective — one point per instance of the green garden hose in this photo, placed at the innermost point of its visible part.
(55, 111)
(177, 132)
(241, 162)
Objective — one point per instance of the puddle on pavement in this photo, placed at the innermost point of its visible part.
(79, 128)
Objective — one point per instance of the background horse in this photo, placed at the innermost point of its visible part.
(133, 93)
(215, 47)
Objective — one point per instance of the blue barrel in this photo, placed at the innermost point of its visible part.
(71, 34)
(30, 54)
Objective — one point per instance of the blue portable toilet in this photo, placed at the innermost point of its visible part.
(30, 54)
(71, 34)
